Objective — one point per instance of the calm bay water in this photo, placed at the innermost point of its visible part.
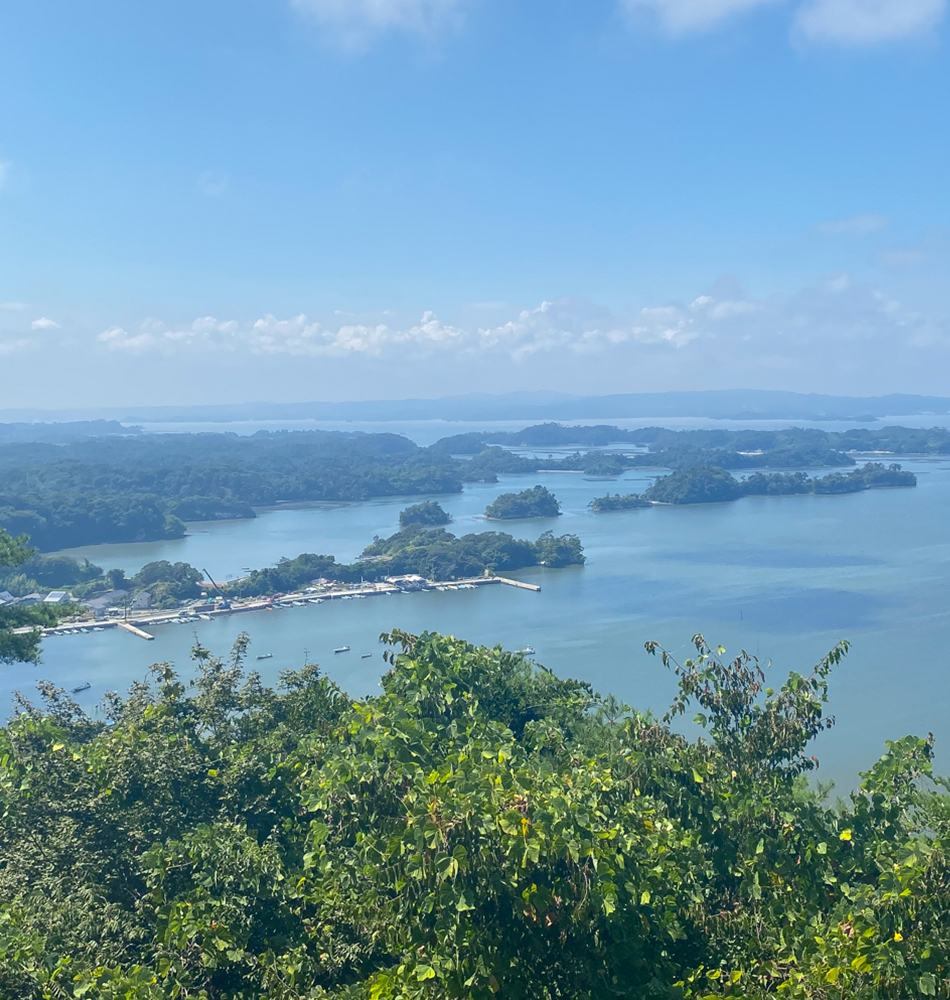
(784, 578)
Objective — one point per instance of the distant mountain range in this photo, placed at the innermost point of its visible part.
(734, 404)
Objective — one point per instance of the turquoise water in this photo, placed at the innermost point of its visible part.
(784, 578)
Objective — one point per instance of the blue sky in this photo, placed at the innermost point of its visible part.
(226, 200)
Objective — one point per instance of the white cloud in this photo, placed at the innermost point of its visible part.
(859, 225)
(681, 16)
(12, 305)
(45, 323)
(867, 22)
(353, 21)
(836, 320)
(4, 172)
(154, 335)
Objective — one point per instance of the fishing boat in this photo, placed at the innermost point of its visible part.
(366, 656)
(266, 656)
(527, 651)
(342, 649)
(81, 688)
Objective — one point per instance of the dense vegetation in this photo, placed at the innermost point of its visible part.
(114, 488)
(617, 502)
(287, 576)
(17, 646)
(439, 555)
(141, 488)
(790, 448)
(704, 484)
(430, 552)
(428, 513)
(898, 440)
(712, 485)
(535, 502)
(479, 829)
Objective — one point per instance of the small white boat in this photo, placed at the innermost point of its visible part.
(266, 656)
(342, 649)
(366, 656)
(81, 688)
(527, 651)
(205, 618)
(316, 600)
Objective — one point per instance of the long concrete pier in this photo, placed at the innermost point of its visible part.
(129, 627)
(242, 606)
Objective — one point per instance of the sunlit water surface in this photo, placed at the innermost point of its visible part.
(784, 578)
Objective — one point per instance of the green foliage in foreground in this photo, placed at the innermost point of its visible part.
(480, 829)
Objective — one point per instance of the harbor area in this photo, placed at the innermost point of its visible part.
(135, 622)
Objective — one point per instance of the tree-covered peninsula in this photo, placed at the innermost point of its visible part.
(142, 487)
(538, 501)
(433, 553)
(479, 829)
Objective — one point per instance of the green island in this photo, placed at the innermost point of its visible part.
(98, 482)
(538, 501)
(429, 514)
(709, 484)
(480, 828)
(631, 501)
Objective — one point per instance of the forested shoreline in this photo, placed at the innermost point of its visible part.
(143, 487)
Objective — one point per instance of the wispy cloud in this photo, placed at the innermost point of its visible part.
(835, 324)
(858, 225)
(868, 22)
(840, 22)
(45, 323)
(354, 22)
(12, 305)
(681, 16)
(4, 172)
(12, 346)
